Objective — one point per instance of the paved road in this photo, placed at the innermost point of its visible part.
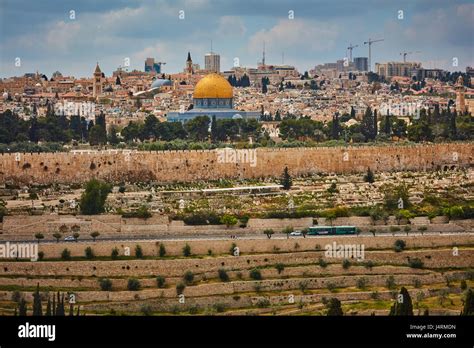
(243, 237)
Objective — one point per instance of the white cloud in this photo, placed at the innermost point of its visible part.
(296, 34)
(231, 26)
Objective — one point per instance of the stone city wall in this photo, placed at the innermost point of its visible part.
(189, 166)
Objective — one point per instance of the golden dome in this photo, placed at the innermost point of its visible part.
(213, 86)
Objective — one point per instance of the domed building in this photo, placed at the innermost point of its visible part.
(213, 96)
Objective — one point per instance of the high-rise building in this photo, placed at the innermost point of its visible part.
(151, 66)
(390, 69)
(361, 63)
(212, 62)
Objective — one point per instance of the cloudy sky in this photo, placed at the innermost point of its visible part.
(45, 37)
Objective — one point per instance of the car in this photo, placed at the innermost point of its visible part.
(69, 239)
(296, 234)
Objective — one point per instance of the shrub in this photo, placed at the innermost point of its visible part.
(133, 284)
(187, 250)
(160, 281)
(362, 283)
(346, 263)
(322, 263)
(115, 253)
(417, 283)
(263, 303)
(41, 255)
(180, 288)
(105, 284)
(331, 287)
(146, 310)
(390, 283)
(188, 277)
(415, 263)
(463, 285)
(194, 309)
(162, 251)
(138, 252)
(232, 248)
(369, 264)
(66, 255)
(223, 276)
(394, 229)
(89, 253)
(280, 267)
(219, 307)
(399, 245)
(255, 274)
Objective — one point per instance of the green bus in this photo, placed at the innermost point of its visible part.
(331, 230)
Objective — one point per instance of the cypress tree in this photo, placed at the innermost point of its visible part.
(403, 305)
(48, 308)
(37, 308)
(286, 180)
(375, 124)
(468, 308)
(334, 307)
(22, 308)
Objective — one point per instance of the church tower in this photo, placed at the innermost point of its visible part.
(189, 65)
(97, 84)
(460, 91)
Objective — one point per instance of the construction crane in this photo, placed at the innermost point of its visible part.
(404, 54)
(350, 48)
(370, 42)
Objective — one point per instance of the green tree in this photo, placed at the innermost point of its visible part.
(162, 251)
(198, 128)
(39, 236)
(369, 177)
(228, 220)
(66, 255)
(286, 180)
(105, 284)
(57, 236)
(160, 281)
(94, 235)
(367, 125)
(93, 199)
(115, 254)
(223, 276)
(138, 252)
(187, 250)
(89, 253)
(188, 277)
(133, 284)
(268, 232)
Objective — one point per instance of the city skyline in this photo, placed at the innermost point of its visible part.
(306, 33)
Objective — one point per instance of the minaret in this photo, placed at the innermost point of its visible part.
(460, 91)
(189, 65)
(97, 84)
